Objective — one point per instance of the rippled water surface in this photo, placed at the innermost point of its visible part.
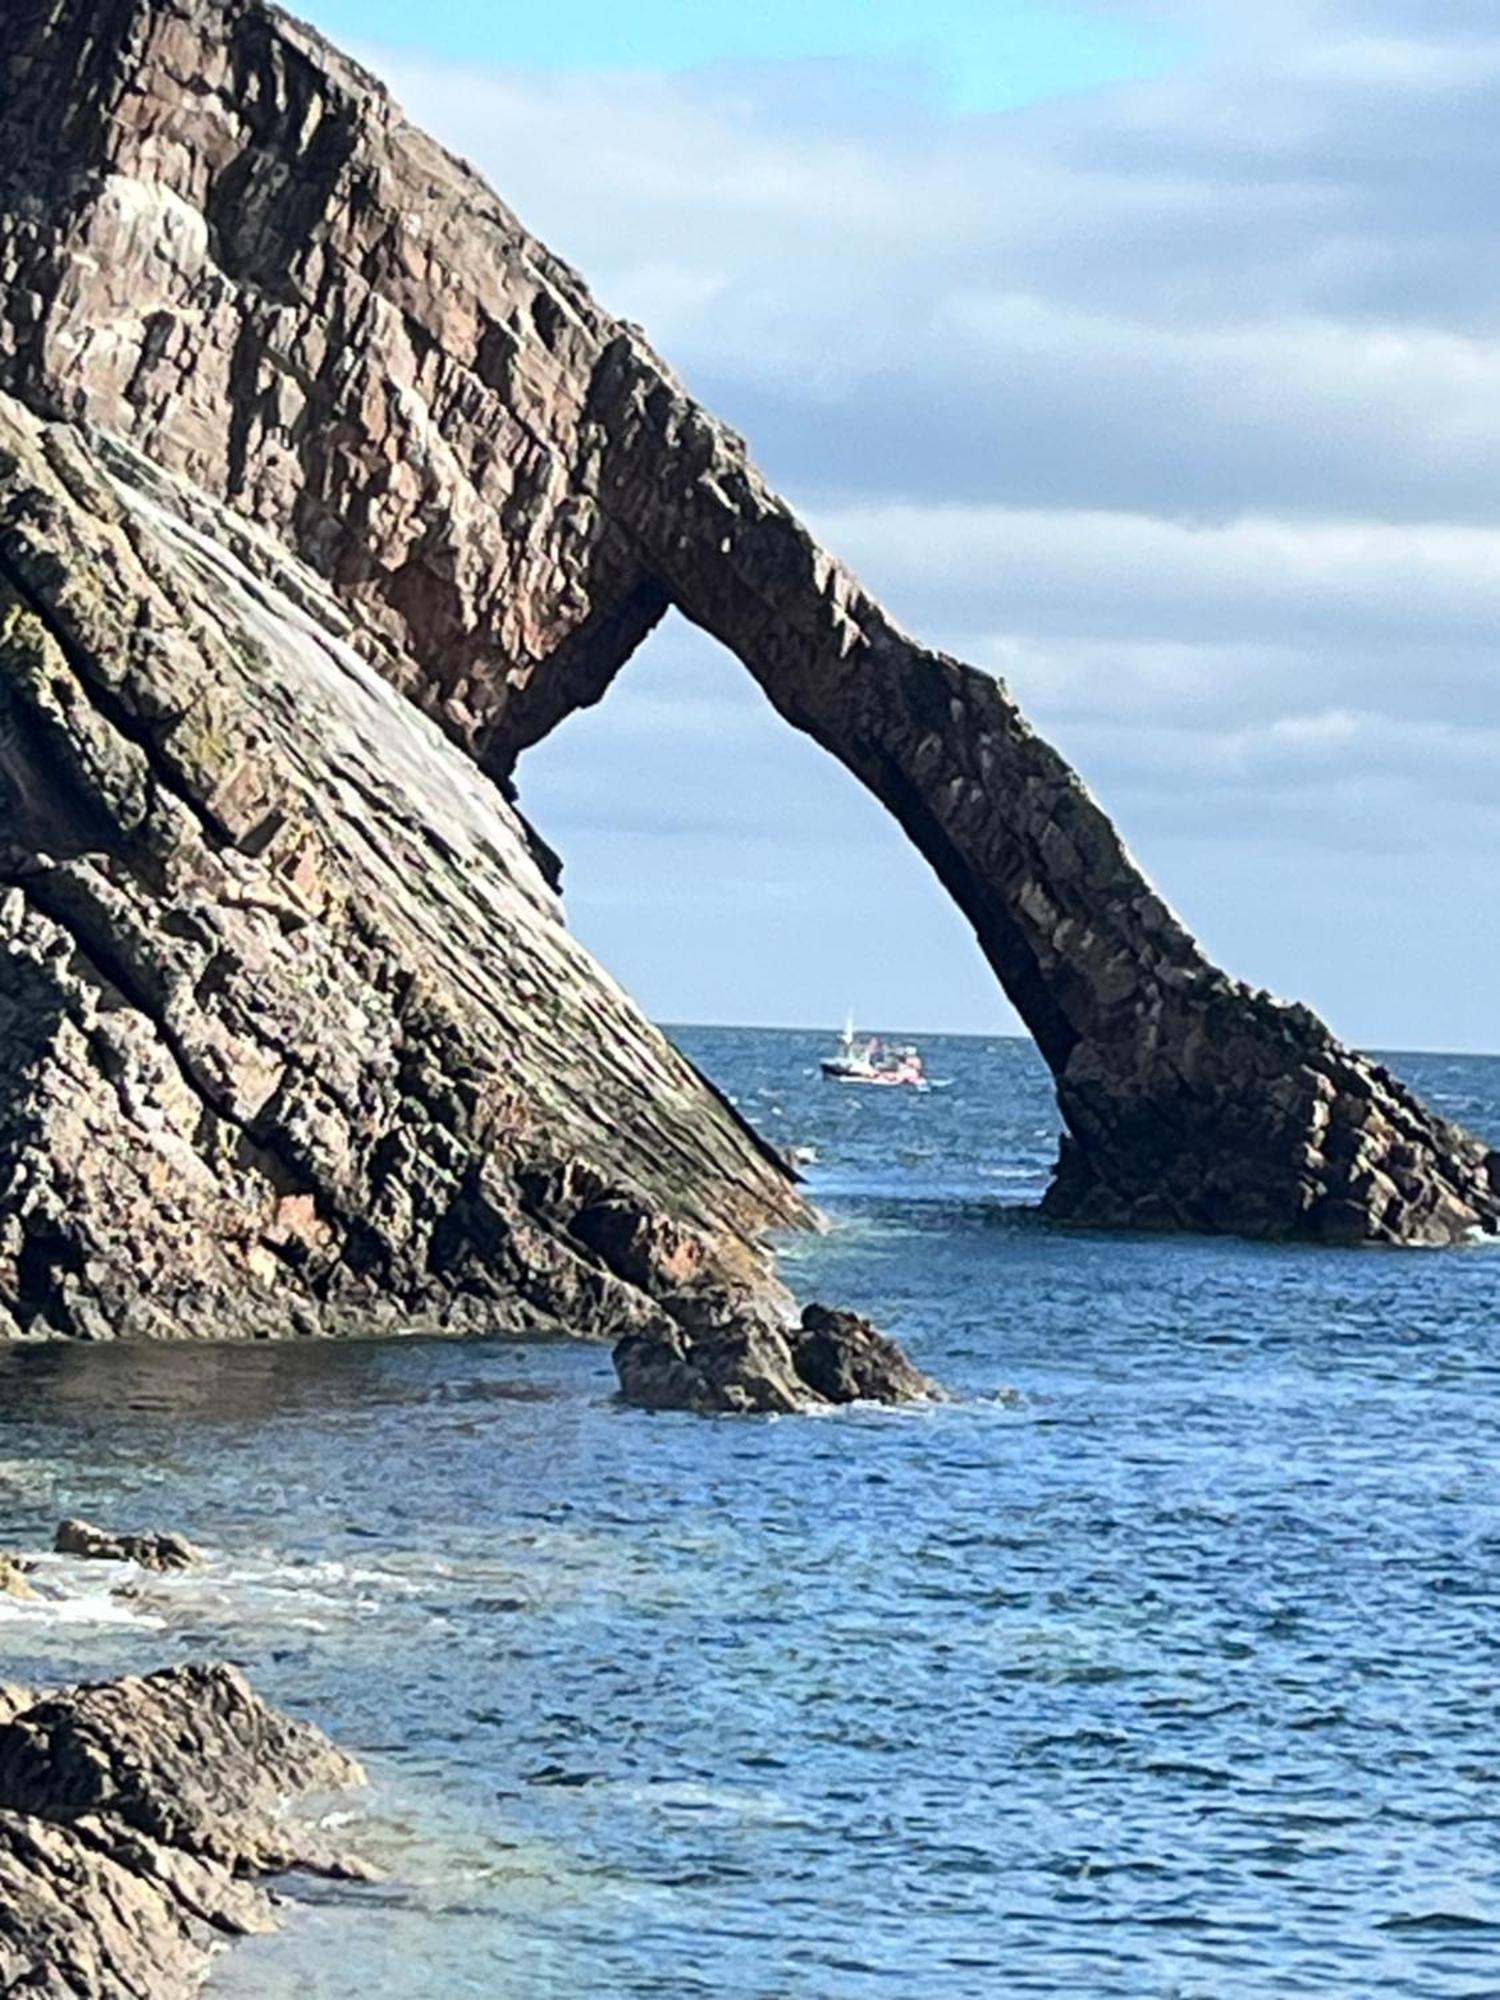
(1164, 1661)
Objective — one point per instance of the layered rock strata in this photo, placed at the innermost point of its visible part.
(294, 1037)
(220, 239)
(134, 1817)
(715, 1359)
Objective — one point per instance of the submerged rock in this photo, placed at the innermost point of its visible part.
(711, 1358)
(160, 1551)
(132, 1814)
(221, 240)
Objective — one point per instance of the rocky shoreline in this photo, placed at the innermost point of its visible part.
(325, 492)
(139, 1821)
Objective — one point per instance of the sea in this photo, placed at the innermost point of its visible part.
(1162, 1660)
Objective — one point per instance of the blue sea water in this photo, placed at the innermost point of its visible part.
(1163, 1661)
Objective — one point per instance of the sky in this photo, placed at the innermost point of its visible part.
(969, 55)
(1147, 354)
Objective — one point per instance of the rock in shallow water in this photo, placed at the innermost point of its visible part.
(154, 1550)
(132, 1814)
(716, 1361)
(844, 1359)
(13, 1582)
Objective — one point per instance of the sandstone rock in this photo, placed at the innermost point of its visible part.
(843, 1359)
(220, 239)
(152, 1551)
(710, 1357)
(131, 1814)
(295, 1038)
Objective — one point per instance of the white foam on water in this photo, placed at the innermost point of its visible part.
(765, 1806)
(63, 1597)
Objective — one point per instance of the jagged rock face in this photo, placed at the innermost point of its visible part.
(158, 1549)
(294, 1036)
(132, 1814)
(712, 1358)
(188, 1756)
(220, 239)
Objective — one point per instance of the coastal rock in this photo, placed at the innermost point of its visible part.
(220, 239)
(709, 1357)
(160, 1551)
(295, 1038)
(13, 1580)
(844, 1359)
(132, 1814)
(190, 1757)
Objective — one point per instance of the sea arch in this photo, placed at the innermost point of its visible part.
(236, 252)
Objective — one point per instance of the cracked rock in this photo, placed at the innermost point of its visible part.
(221, 241)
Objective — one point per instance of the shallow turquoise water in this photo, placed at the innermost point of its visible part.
(1163, 1662)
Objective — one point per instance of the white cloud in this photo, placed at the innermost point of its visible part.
(1144, 577)
(1178, 403)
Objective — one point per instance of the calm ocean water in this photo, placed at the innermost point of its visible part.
(1162, 1662)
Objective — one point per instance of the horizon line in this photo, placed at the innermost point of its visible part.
(1012, 1035)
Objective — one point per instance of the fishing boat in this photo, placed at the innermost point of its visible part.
(867, 1062)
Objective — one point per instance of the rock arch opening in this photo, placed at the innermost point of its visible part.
(728, 871)
(277, 288)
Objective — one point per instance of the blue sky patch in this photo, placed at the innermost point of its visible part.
(986, 55)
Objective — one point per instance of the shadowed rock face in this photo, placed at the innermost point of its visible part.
(133, 1815)
(221, 240)
(715, 1359)
(293, 1038)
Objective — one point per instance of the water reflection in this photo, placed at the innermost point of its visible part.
(227, 1383)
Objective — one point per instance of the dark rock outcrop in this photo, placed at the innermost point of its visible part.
(158, 1550)
(133, 1815)
(713, 1358)
(219, 239)
(295, 1039)
(844, 1359)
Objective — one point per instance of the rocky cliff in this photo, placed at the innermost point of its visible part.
(220, 240)
(295, 1038)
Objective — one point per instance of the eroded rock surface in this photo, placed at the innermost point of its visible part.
(133, 1815)
(714, 1358)
(294, 1038)
(155, 1549)
(220, 239)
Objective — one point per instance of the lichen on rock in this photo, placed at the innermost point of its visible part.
(220, 239)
